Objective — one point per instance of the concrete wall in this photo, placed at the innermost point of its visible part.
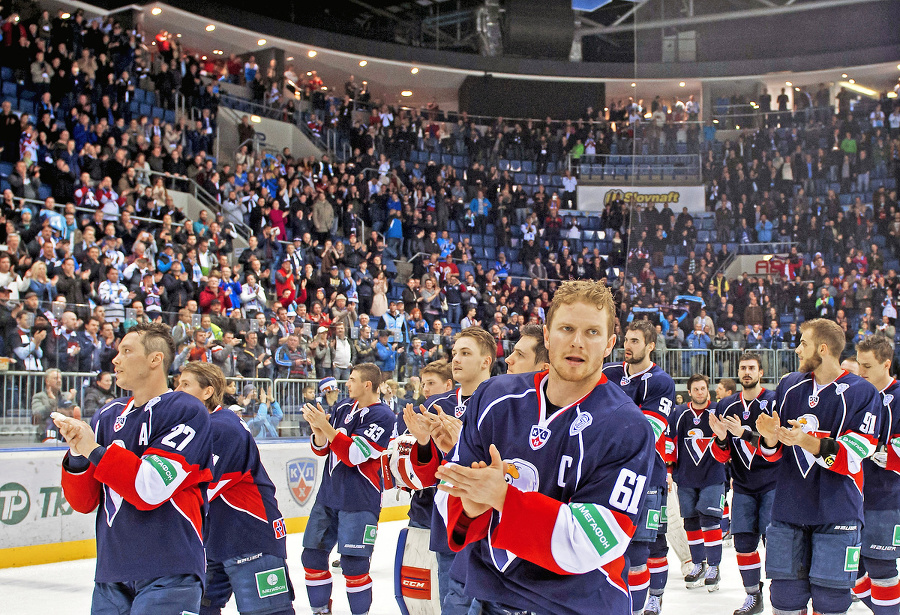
(277, 135)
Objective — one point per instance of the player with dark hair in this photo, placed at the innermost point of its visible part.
(546, 529)
(530, 352)
(877, 585)
(826, 423)
(652, 390)
(245, 531)
(753, 477)
(143, 464)
(701, 483)
(436, 430)
(353, 438)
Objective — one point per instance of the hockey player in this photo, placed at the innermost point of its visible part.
(652, 390)
(437, 378)
(753, 477)
(879, 589)
(241, 495)
(352, 438)
(474, 352)
(701, 483)
(143, 464)
(530, 352)
(826, 422)
(578, 455)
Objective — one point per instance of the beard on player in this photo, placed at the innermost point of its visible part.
(633, 359)
(749, 383)
(810, 364)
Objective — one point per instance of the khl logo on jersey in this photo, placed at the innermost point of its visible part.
(810, 425)
(538, 437)
(301, 477)
(625, 381)
(120, 422)
(746, 413)
(459, 411)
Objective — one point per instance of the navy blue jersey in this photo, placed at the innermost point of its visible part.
(577, 477)
(421, 505)
(653, 391)
(149, 487)
(751, 473)
(818, 490)
(352, 476)
(695, 464)
(882, 485)
(241, 495)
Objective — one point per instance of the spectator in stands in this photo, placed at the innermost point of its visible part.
(97, 394)
(52, 399)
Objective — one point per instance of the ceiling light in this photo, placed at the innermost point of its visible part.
(414, 71)
(261, 42)
(681, 84)
(362, 62)
(289, 58)
(218, 52)
(715, 121)
(309, 73)
(66, 15)
(844, 76)
(788, 83)
(312, 53)
(796, 89)
(210, 28)
(852, 85)
(156, 11)
(406, 93)
(178, 35)
(324, 88)
(898, 67)
(203, 57)
(852, 81)
(892, 94)
(255, 119)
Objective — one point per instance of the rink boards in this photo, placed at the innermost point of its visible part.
(37, 525)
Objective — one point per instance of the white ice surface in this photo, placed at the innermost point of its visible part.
(66, 587)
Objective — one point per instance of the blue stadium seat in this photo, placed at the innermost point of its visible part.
(435, 157)
(551, 167)
(622, 171)
(447, 159)
(845, 199)
(134, 107)
(490, 253)
(4, 185)
(878, 240)
(528, 166)
(26, 106)
(6, 168)
(520, 178)
(169, 117)
(681, 148)
(6, 73)
(516, 268)
(158, 112)
(146, 109)
(890, 183)
(489, 230)
(44, 192)
(503, 165)
(515, 166)
(459, 161)
(10, 89)
(532, 179)
(546, 179)
(27, 94)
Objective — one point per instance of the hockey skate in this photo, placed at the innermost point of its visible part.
(327, 609)
(753, 604)
(712, 578)
(696, 577)
(654, 605)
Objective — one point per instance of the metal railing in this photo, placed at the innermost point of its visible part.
(674, 168)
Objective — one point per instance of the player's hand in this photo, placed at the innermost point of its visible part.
(768, 426)
(735, 427)
(78, 434)
(418, 423)
(795, 436)
(445, 431)
(719, 428)
(479, 488)
(316, 417)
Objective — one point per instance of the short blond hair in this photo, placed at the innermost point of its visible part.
(592, 292)
(826, 332)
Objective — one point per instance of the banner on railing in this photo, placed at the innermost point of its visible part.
(758, 264)
(40, 526)
(595, 198)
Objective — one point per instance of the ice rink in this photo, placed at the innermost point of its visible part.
(66, 587)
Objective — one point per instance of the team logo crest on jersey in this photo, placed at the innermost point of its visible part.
(746, 413)
(523, 476)
(538, 436)
(696, 420)
(839, 389)
(647, 376)
(813, 401)
(120, 422)
(350, 415)
(805, 459)
(763, 404)
(279, 527)
(301, 477)
(625, 381)
(459, 411)
(888, 399)
(697, 445)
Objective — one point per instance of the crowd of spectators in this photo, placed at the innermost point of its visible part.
(380, 258)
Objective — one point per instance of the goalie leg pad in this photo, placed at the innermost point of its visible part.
(415, 574)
